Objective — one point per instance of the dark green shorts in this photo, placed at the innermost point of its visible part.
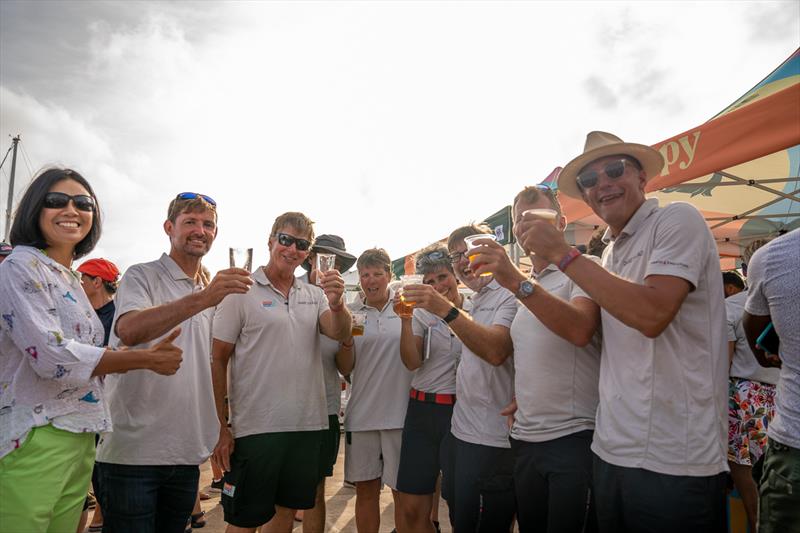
(329, 450)
(271, 469)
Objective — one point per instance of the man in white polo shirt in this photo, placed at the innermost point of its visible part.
(661, 433)
(276, 389)
(477, 481)
(163, 428)
(774, 297)
(556, 368)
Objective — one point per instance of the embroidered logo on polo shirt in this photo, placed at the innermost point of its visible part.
(228, 489)
(266, 304)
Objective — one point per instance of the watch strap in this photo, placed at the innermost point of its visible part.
(452, 314)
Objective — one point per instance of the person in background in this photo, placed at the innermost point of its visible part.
(556, 369)
(751, 402)
(375, 413)
(52, 400)
(430, 350)
(774, 297)
(148, 467)
(99, 279)
(314, 519)
(661, 428)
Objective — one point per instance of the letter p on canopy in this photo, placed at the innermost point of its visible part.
(674, 150)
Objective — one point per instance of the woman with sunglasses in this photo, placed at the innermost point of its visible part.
(51, 395)
(428, 347)
(376, 410)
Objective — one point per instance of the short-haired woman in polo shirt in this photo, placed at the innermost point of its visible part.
(428, 347)
(51, 397)
(375, 413)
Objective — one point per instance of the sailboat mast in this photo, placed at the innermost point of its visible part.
(15, 141)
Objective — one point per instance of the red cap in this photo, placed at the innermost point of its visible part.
(104, 268)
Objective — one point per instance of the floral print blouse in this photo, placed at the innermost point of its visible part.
(50, 340)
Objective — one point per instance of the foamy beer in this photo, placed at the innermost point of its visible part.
(359, 320)
(550, 215)
(471, 244)
(405, 307)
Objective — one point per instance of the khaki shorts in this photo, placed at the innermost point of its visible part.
(372, 455)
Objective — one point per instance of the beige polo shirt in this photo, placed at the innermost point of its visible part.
(482, 389)
(663, 401)
(379, 397)
(555, 382)
(162, 420)
(275, 381)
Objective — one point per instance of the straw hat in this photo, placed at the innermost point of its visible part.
(601, 144)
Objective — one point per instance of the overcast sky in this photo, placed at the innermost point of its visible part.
(389, 123)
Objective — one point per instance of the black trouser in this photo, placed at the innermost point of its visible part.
(634, 500)
(479, 489)
(553, 484)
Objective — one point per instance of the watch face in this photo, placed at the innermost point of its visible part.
(525, 289)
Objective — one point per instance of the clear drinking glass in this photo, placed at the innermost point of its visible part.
(325, 262)
(241, 258)
(405, 308)
(471, 245)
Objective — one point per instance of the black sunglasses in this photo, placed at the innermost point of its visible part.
(59, 200)
(613, 169)
(193, 195)
(287, 240)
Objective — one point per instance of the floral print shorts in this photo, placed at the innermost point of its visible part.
(751, 405)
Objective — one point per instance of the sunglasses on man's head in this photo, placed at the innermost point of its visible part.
(59, 200)
(613, 169)
(287, 240)
(193, 195)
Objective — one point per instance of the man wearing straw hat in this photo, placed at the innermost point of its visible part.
(661, 430)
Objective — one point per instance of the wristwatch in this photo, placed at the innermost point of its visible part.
(526, 288)
(451, 315)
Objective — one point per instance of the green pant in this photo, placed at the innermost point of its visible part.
(779, 490)
(43, 483)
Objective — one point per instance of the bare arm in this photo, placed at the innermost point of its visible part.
(648, 308)
(220, 356)
(575, 321)
(753, 326)
(337, 322)
(410, 345)
(140, 326)
(490, 343)
(346, 356)
(163, 358)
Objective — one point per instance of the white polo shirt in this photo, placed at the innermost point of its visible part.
(555, 381)
(663, 401)
(162, 420)
(482, 389)
(441, 353)
(379, 397)
(275, 379)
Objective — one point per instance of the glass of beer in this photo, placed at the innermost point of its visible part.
(325, 262)
(550, 215)
(471, 245)
(404, 307)
(359, 321)
(241, 258)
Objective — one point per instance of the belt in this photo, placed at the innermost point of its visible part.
(432, 397)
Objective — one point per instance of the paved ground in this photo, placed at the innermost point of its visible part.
(340, 501)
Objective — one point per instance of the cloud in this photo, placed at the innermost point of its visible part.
(601, 93)
(773, 22)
